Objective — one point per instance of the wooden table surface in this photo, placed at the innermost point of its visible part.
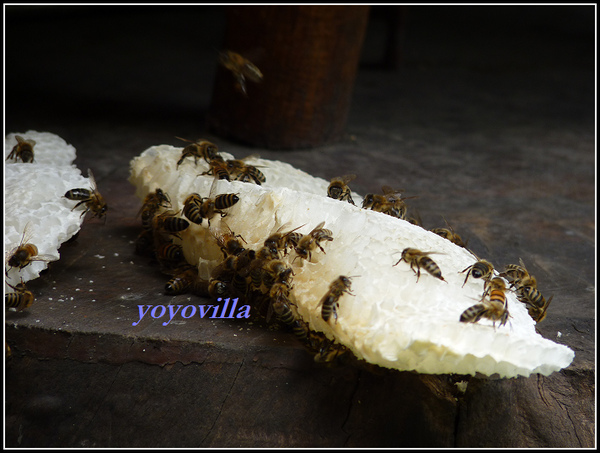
(506, 155)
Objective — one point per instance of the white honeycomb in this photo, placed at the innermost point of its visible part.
(34, 196)
(391, 320)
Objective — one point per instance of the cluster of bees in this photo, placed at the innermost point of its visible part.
(25, 253)
(262, 277)
(493, 303)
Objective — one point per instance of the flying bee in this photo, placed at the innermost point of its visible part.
(338, 188)
(22, 150)
(390, 203)
(420, 260)
(330, 301)
(241, 68)
(20, 299)
(23, 254)
(91, 198)
(310, 241)
(481, 269)
(169, 223)
(200, 149)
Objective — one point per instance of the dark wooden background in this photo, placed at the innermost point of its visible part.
(488, 116)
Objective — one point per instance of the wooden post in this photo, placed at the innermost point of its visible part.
(308, 56)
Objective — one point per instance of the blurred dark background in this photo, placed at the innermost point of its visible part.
(124, 65)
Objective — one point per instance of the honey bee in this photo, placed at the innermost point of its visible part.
(170, 253)
(152, 203)
(338, 188)
(280, 242)
(536, 304)
(22, 150)
(169, 223)
(23, 254)
(241, 171)
(282, 307)
(20, 299)
(310, 241)
(229, 243)
(212, 206)
(390, 203)
(330, 351)
(209, 206)
(218, 288)
(496, 289)
(420, 260)
(182, 281)
(330, 301)
(481, 269)
(217, 167)
(515, 272)
(450, 234)
(494, 308)
(91, 198)
(276, 271)
(198, 149)
(191, 208)
(241, 68)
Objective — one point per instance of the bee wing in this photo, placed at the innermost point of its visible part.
(252, 72)
(213, 187)
(25, 238)
(185, 139)
(387, 190)
(347, 178)
(92, 180)
(297, 228)
(318, 227)
(522, 264)
(251, 156)
(27, 234)
(43, 258)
